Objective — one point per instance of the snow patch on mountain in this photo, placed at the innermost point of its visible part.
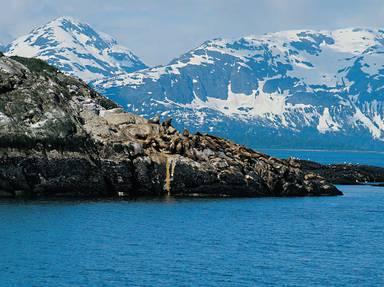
(361, 119)
(241, 105)
(326, 123)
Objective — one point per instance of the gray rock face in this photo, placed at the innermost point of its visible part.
(60, 138)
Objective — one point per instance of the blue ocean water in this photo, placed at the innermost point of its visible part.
(312, 241)
(327, 157)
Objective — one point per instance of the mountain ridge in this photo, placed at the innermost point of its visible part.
(298, 85)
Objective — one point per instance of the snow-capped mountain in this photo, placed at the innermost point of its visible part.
(286, 89)
(77, 49)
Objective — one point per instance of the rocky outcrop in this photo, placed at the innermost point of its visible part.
(349, 174)
(60, 138)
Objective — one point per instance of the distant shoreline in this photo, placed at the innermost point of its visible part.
(320, 150)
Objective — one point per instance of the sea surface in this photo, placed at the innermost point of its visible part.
(328, 157)
(311, 241)
(323, 241)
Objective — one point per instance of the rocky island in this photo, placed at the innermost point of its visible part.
(347, 174)
(58, 137)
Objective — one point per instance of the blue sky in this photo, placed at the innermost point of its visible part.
(159, 30)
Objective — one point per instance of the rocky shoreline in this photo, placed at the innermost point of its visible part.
(59, 138)
(347, 174)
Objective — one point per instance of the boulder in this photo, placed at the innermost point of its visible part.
(116, 117)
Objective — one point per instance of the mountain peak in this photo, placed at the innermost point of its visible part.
(65, 19)
(77, 49)
(70, 24)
